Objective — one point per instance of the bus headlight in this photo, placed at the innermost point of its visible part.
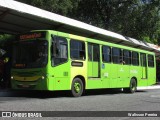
(11, 77)
(43, 77)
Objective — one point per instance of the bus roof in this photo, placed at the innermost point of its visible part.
(16, 17)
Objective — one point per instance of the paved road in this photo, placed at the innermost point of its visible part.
(102, 100)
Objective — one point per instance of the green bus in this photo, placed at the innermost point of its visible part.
(52, 60)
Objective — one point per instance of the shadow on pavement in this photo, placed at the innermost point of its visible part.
(32, 94)
(59, 94)
(141, 91)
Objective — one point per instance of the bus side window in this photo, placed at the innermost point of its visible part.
(96, 55)
(150, 61)
(106, 54)
(77, 50)
(116, 55)
(126, 57)
(89, 52)
(143, 59)
(135, 58)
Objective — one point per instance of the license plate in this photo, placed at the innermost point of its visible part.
(25, 86)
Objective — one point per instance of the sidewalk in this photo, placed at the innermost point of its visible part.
(156, 86)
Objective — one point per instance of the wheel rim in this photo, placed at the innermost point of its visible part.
(77, 87)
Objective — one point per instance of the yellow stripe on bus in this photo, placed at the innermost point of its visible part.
(77, 37)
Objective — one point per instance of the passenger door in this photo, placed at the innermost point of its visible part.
(143, 65)
(124, 69)
(93, 61)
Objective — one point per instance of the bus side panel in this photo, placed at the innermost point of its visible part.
(60, 77)
(123, 75)
(151, 76)
(136, 73)
(114, 76)
(77, 71)
(106, 74)
(93, 82)
(152, 73)
(142, 81)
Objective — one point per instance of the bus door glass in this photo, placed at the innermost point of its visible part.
(143, 65)
(124, 68)
(93, 60)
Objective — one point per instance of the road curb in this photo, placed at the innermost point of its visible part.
(138, 88)
(149, 87)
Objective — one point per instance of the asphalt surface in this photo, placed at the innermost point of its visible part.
(95, 100)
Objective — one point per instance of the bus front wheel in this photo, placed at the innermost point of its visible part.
(132, 87)
(77, 87)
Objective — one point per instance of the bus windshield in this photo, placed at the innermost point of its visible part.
(30, 54)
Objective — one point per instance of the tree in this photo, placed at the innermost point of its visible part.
(62, 7)
(5, 39)
(134, 18)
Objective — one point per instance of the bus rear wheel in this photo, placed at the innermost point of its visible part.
(132, 87)
(77, 87)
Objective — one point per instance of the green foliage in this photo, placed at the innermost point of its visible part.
(134, 18)
(5, 40)
(62, 7)
(4, 37)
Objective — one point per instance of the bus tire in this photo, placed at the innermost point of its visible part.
(77, 87)
(132, 87)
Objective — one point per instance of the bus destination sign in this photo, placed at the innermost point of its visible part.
(31, 35)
